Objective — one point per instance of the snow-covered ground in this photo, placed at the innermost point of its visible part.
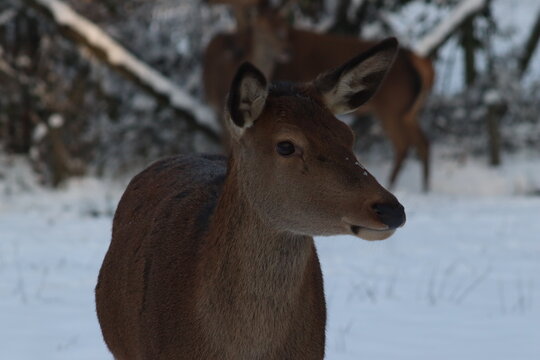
(460, 281)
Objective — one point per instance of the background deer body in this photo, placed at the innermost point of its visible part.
(262, 43)
(213, 258)
(397, 103)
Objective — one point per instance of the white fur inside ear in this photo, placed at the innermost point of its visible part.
(234, 130)
(246, 99)
(369, 66)
(252, 99)
(336, 96)
(352, 82)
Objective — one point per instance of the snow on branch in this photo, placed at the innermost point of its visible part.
(434, 40)
(7, 74)
(235, 2)
(5, 68)
(117, 57)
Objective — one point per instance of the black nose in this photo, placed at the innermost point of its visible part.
(390, 214)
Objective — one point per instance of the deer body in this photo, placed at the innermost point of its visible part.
(213, 258)
(239, 281)
(396, 105)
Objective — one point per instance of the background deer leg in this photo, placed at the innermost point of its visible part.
(422, 148)
(395, 128)
(420, 141)
(400, 153)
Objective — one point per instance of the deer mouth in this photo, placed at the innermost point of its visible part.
(371, 234)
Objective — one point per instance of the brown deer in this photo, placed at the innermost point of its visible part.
(397, 103)
(262, 42)
(213, 258)
(299, 55)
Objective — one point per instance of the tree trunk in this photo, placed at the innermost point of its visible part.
(468, 44)
(343, 24)
(496, 108)
(495, 113)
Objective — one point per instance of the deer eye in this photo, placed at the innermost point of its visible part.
(285, 148)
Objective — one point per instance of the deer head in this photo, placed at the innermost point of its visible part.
(294, 158)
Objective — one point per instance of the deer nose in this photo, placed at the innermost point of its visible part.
(390, 214)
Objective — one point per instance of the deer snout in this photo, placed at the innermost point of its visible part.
(391, 214)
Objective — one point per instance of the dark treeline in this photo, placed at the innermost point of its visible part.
(71, 113)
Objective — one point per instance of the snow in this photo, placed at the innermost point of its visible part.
(455, 172)
(444, 29)
(461, 280)
(514, 20)
(56, 120)
(492, 97)
(118, 56)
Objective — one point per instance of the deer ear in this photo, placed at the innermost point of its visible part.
(247, 96)
(347, 87)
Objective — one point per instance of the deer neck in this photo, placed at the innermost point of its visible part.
(263, 55)
(253, 279)
(257, 50)
(249, 248)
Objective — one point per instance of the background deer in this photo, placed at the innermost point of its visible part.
(213, 258)
(259, 39)
(286, 53)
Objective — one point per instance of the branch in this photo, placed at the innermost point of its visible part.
(109, 51)
(5, 69)
(7, 74)
(235, 2)
(466, 9)
(530, 47)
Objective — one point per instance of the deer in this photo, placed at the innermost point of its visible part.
(396, 105)
(299, 55)
(213, 257)
(259, 39)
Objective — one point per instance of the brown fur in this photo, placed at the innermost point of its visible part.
(214, 259)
